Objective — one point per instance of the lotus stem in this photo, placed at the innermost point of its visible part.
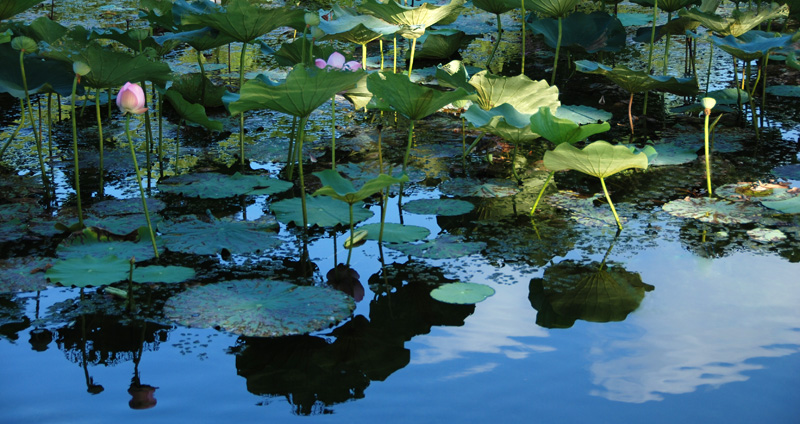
(558, 48)
(160, 136)
(408, 146)
(394, 66)
(75, 150)
(650, 55)
(50, 126)
(411, 60)
(364, 56)
(666, 47)
(299, 149)
(333, 132)
(514, 162)
(541, 192)
(380, 45)
(522, 68)
(710, 61)
(30, 116)
(497, 43)
(708, 152)
(630, 107)
(241, 117)
(16, 131)
(380, 150)
(350, 244)
(474, 143)
(303, 45)
(139, 181)
(764, 87)
(100, 135)
(202, 77)
(751, 103)
(610, 203)
(463, 142)
(178, 146)
(290, 159)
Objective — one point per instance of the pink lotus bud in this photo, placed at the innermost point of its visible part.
(320, 63)
(336, 60)
(131, 99)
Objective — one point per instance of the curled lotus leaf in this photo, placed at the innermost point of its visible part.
(667, 5)
(9, 8)
(411, 100)
(355, 28)
(559, 130)
(599, 159)
(639, 81)
(205, 38)
(239, 19)
(716, 211)
(521, 92)
(439, 207)
(752, 45)
(446, 246)
(503, 121)
(497, 7)
(89, 271)
(462, 293)
(98, 242)
(260, 308)
(744, 190)
(338, 187)
(738, 23)
(191, 112)
(582, 115)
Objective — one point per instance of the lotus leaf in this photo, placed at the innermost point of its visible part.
(739, 22)
(304, 90)
(791, 205)
(240, 19)
(766, 235)
(290, 53)
(496, 7)
(439, 207)
(190, 235)
(13, 229)
(559, 130)
(553, 8)
(462, 293)
(119, 224)
(424, 15)
(638, 81)
(129, 39)
(582, 208)
(791, 172)
(358, 29)
(446, 246)
(752, 45)
(322, 211)
(42, 75)
(200, 39)
(441, 44)
(98, 242)
(191, 112)
(784, 90)
(126, 206)
(715, 211)
(582, 115)
(9, 8)
(470, 187)
(211, 185)
(503, 121)
(23, 274)
(599, 159)
(260, 308)
(597, 31)
(526, 95)
(454, 75)
(673, 154)
(412, 100)
(668, 5)
(771, 192)
(89, 271)
(634, 19)
(337, 187)
(162, 274)
(110, 68)
(396, 233)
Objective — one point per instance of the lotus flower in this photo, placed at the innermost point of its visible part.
(336, 61)
(131, 99)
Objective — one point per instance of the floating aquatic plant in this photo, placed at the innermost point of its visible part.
(462, 293)
(716, 211)
(213, 185)
(439, 207)
(89, 271)
(446, 246)
(188, 234)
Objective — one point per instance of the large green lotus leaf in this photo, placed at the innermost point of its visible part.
(260, 308)
(9, 8)
(322, 211)
(599, 159)
(552, 8)
(158, 13)
(716, 211)
(396, 233)
(212, 185)
(6, 36)
(752, 45)
(240, 19)
(42, 75)
(439, 207)
(593, 32)
(89, 271)
(99, 242)
(190, 235)
(526, 95)
(162, 274)
(206, 38)
(559, 130)
(424, 15)
(129, 39)
(191, 112)
(290, 53)
(359, 95)
(497, 7)
(668, 5)
(23, 274)
(109, 68)
(462, 293)
(338, 187)
(41, 29)
(583, 210)
(784, 90)
(454, 75)
(446, 246)
(121, 224)
(412, 100)
(503, 121)
(638, 81)
(471, 187)
(358, 29)
(441, 44)
(197, 88)
(582, 115)
(304, 90)
(739, 22)
(791, 205)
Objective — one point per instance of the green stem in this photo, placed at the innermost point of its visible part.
(333, 132)
(160, 136)
(614, 210)
(497, 43)
(33, 122)
(241, 117)
(75, 149)
(139, 181)
(650, 55)
(558, 48)
(364, 56)
(541, 192)
(408, 146)
(16, 131)
(750, 101)
(303, 45)
(380, 45)
(350, 244)
(299, 149)
(290, 159)
(100, 135)
(202, 77)
(710, 61)
(666, 47)
(411, 61)
(764, 87)
(178, 146)
(50, 126)
(708, 153)
(394, 66)
(522, 68)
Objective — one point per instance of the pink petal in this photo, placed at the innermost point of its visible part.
(320, 63)
(352, 66)
(336, 60)
(131, 99)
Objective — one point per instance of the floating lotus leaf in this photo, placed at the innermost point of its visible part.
(42, 75)
(256, 308)
(559, 130)
(360, 173)
(791, 205)
(784, 90)
(766, 235)
(9, 8)
(396, 233)
(582, 208)
(322, 211)
(739, 22)
(552, 8)
(239, 19)
(162, 274)
(673, 154)
(497, 7)
(769, 192)
(441, 44)
(752, 45)
(526, 95)
(599, 159)
(212, 185)
(446, 246)
(593, 32)
(582, 115)
(190, 235)
(304, 90)
(120, 224)
(99, 242)
(668, 5)
(424, 15)
(715, 211)
(411, 100)
(791, 172)
(200, 39)
(337, 187)
(462, 293)
(592, 292)
(470, 187)
(89, 271)
(358, 29)
(439, 207)
(126, 206)
(638, 81)
(23, 274)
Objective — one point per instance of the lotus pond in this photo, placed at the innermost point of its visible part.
(374, 211)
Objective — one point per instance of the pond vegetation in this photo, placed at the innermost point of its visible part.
(190, 171)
